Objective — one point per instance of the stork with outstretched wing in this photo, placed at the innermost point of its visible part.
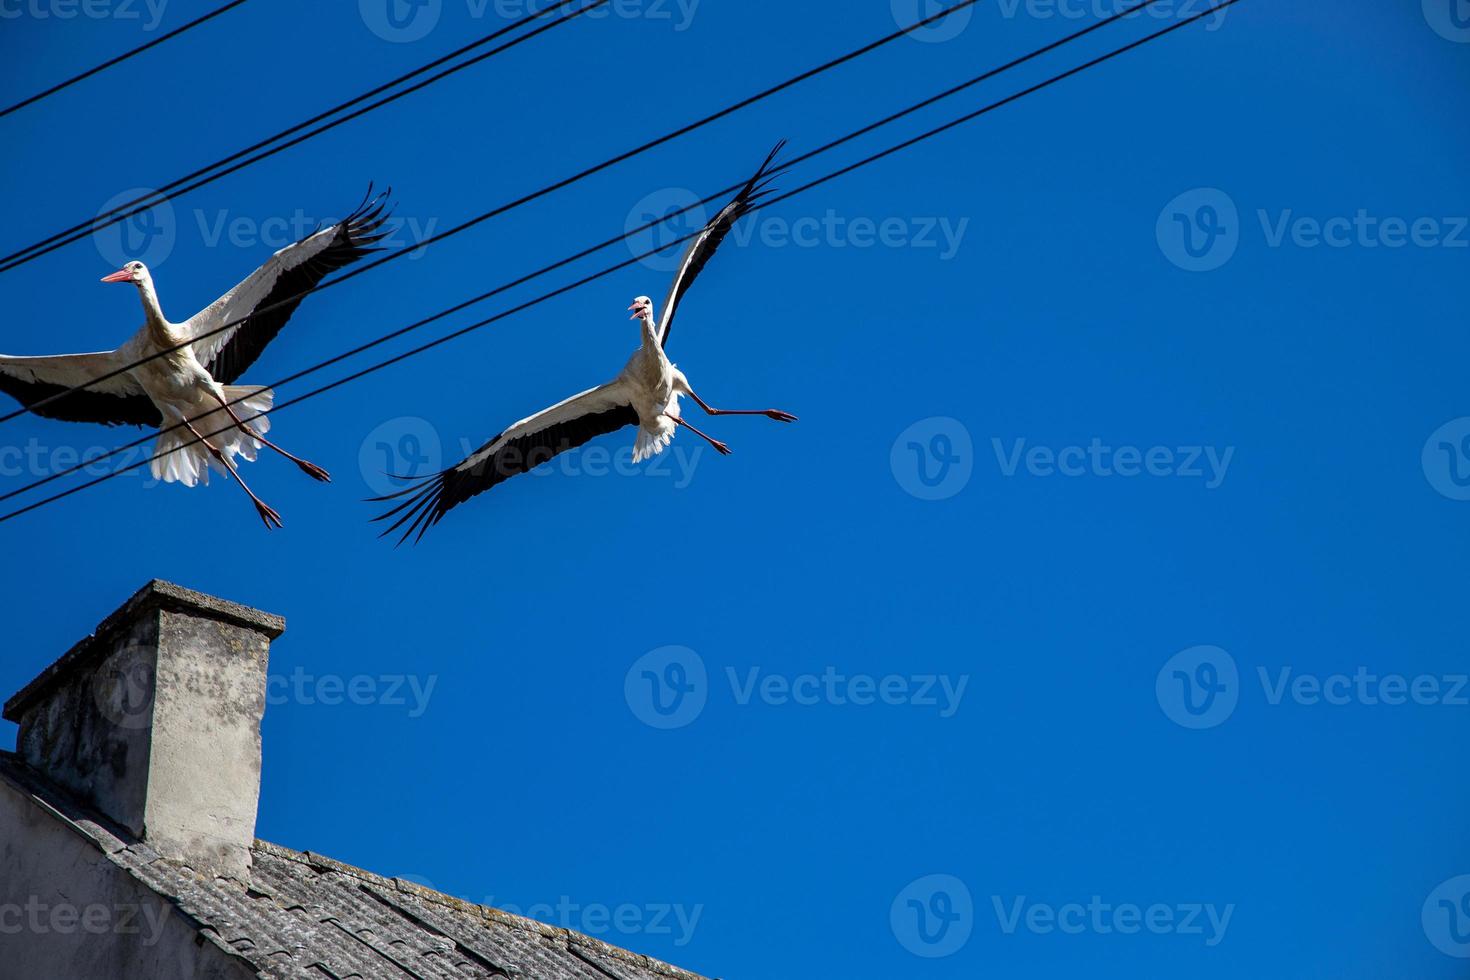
(180, 376)
(645, 394)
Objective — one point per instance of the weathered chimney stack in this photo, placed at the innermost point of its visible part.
(154, 720)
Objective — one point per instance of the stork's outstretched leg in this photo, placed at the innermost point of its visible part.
(266, 512)
(309, 468)
(720, 447)
(771, 413)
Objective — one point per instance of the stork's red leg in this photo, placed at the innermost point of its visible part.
(720, 447)
(266, 512)
(309, 468)
(770, 413)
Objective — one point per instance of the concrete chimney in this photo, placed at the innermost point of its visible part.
(154, 720)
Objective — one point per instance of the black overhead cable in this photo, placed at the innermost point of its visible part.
(153, 198)
(495, 212)
(929, 134)
(120, 58)
(717, 195)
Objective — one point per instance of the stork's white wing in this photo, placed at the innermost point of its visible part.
(520, 448)
(119, 400)
(275, 291)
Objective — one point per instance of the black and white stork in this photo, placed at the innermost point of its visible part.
(645, 394)
(192, 386)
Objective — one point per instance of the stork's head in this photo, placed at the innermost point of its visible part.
(642, 309)
(133, 272)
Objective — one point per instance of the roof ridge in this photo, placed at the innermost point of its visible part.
(321, 862)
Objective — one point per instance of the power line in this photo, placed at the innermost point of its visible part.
(866, 161)
(153, 198)
(717, 195)
(495, 212)
(120, 58)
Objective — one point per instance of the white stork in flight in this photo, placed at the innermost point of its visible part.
(645, 394)
(192, 386)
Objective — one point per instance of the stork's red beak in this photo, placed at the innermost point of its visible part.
(638, 311)
(121, 275)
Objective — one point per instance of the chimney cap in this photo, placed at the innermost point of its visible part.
(157, 594)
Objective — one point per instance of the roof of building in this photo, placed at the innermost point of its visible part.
(304, 915)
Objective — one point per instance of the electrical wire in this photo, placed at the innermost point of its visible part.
(155, 197)
(866, 161)
(495, 212)
(120, 58)
(664, 219)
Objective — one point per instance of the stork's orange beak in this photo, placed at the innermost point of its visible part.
(121, 275)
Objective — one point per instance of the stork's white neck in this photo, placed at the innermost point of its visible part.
(153, 312)
(650, 331)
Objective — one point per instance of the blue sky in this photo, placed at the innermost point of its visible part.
(1231, 264)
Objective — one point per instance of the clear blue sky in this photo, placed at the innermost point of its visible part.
(1322, 536)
